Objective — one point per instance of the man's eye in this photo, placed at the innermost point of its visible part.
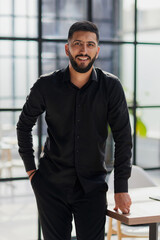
(77, 43)
(90, 44)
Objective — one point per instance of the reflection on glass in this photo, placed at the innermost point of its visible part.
(148, 21)
(6, 9)
(107, 60)
(20, 7)
(53, 57)
(18, 71)
(5, 26)
(127, 8)
(118, 60)
(5, 85)
(5, 48)
(126, 66)
(64, 8)
(50, 65)
(19, 20)
(103, 14)
(115, 19)
(25, 27)
(59, 15)
(25, 7)
(148, 72)
(148, 150)
(131, 121)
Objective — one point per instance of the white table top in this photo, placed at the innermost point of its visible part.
(143, 209)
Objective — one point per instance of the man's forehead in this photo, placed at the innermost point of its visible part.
(84, 35)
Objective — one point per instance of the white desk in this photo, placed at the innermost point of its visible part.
(143, 209)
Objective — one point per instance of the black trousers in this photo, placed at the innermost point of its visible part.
(57, 208)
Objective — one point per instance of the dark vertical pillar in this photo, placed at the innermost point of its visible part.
(13, 64)
(57, 19)
(153, 231)
(89, 10)
(135, 83)
(27, 47)
(39, 126)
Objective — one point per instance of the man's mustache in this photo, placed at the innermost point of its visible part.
(81, 55)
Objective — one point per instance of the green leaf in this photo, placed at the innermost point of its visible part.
(141, 129)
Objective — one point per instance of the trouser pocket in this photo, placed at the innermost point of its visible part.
(34, 177)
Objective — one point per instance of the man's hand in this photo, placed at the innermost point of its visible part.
(122, 202)
(30, 173)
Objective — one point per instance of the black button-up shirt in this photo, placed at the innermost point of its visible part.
(77, 121)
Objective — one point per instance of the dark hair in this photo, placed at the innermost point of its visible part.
(83, 26)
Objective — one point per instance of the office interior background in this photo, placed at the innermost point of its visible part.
(32, 38)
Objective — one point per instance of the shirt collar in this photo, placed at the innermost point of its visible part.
(66, 75)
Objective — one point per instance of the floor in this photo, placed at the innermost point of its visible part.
(18, 212)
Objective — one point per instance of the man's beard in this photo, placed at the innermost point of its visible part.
(81, 69)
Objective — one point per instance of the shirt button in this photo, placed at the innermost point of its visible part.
(79, 105)
(78, 120)
(77, 136)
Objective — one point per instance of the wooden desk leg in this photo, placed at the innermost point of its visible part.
(153, 231)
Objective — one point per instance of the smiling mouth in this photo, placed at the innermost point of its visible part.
(83, 58)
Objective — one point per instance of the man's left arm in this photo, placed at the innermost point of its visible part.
(119, 122)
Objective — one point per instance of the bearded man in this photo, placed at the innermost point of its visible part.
(79, 102)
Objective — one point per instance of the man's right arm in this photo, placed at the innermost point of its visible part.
(33, 107)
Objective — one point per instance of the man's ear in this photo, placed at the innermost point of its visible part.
(67, 49)
(98, 52)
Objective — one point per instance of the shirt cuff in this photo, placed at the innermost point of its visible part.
(29, 165)
(120, 185)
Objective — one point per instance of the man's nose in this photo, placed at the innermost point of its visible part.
(83, 48)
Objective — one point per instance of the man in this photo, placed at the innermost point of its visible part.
(78, 102)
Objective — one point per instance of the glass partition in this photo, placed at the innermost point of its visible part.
(57, 16)
(11, 165)
(18, 18)
(18, 71)
(27, 52)
(148, 146)
(115, 19)
(148, 21)
(148, 72)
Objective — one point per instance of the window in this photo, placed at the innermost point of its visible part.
(32, 38)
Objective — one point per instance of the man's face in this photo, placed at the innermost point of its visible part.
(82, 50)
